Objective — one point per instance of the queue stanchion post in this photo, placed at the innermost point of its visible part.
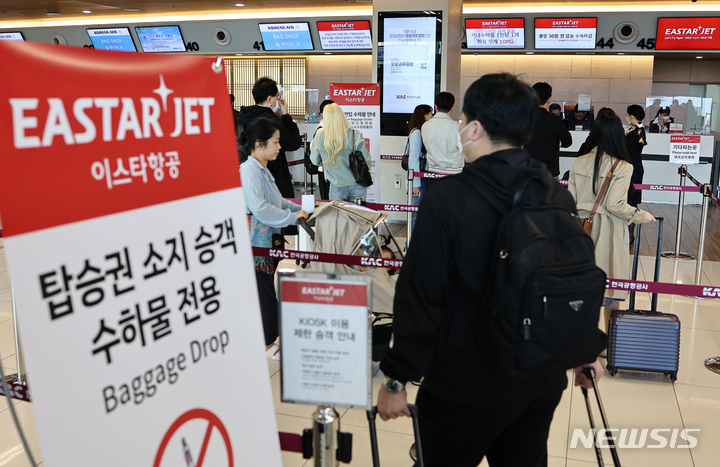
(18, 377)
(410, 180)
(677, 254)
(703, 227)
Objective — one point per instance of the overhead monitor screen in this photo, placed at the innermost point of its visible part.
(161, 39)
(286, 36)
(565, 33)
(112, 39)
(11, 36)
(688, 34)
(345, 35)
(495, 33)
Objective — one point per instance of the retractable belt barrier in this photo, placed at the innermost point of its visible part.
(667, 288)
(297, 162)
(643, 186)
(692, 179)
(375, 206)
(17, 391)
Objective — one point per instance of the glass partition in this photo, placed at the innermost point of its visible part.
(694, 113)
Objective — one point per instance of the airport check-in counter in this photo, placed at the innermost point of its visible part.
(658, 169)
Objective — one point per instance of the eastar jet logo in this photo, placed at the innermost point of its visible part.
(565, 23)
(362, 92)
(698, 31)
(494, 23)
(139, 117)
(328, 291)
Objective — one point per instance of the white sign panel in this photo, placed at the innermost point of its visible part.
(565, 33)
(361, 104)
(324, 331)
(684, 149)
(136, 296)
(409, 63)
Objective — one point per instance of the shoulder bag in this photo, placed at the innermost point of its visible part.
(587, 223)
(359, 167)
(405, 161)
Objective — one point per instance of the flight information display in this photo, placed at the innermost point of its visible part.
(495, 33)
(349, 35)
(409, 63)
(688, 34)
(565, 33)
(112, 39)
(11, 36)
(161, 39)
(286, 36)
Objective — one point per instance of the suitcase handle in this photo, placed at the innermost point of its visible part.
(590, 373)
(656, 276)
(372, 413)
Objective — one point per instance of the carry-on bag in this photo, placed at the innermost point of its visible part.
(611, 441)
(373, 435)
(644, 340)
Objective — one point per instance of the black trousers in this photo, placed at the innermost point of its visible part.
(459, 435)
(268, 305)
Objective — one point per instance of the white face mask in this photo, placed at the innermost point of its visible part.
(627, 119)
(463, 131)
(276, 107)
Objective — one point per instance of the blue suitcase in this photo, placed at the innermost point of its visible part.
(644, 340)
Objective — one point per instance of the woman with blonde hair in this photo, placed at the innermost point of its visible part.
(332, 147)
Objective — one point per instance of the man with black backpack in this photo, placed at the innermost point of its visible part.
(497, 297)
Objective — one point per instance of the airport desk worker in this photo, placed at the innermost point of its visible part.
(468, 409)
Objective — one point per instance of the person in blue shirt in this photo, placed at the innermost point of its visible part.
(417, 155)
(267, 212)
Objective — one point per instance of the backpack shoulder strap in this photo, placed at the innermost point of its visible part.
(479, 187)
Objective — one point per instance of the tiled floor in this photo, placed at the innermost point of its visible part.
(632, 400)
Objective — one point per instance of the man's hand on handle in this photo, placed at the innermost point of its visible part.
(392, 405)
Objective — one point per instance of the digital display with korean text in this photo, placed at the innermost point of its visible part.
(494, 33)
(161, 39)
(112, 39)
(565, 33)
(345, 35)
(286, 36)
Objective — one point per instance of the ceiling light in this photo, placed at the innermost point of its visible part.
(529, 53)
(239, 4)
(621, 53)
(132, 9)
(87, 11)
(699, 56)
(53, 14)
(328, 53)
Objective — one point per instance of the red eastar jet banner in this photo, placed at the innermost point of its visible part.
(108, 132)
(688, 34)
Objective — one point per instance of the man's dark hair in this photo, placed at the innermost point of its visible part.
(506, 107)
(554, 107)
(544, 91)
(444, 102)
(264, 88)
(232, 99)
(323, 104)
(636, 111)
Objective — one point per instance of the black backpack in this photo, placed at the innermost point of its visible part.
(543, 297)
(240, 135)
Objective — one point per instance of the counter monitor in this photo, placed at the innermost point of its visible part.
(565, 33)
(286, 36)
(494, 33)
(112, 39)
(161, 39)
(345, 35)
(688, 34)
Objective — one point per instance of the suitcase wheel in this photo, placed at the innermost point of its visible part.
(612, 371)
(673, 376)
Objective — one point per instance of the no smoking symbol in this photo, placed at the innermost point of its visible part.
(193, 415)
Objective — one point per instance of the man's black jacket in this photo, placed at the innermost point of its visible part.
(290, 140)
(549, 134)
(447, 266)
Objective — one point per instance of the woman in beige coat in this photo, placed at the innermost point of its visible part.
(604, 146)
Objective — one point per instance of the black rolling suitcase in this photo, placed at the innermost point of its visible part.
(373, 435)
(644, 340)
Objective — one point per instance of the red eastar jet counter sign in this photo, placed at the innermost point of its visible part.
(688, 34)
(127, 244)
